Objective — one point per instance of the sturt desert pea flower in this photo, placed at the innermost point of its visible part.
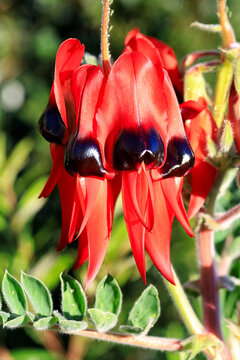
(199, 125)
(87, 202)
(159, 53)
(141, 127)
(127, 127)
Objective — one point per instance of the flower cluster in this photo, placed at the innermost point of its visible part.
(121, 131)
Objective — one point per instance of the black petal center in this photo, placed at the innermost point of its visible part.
(180, 158)
(134, 147)
(51, 125)
(83, 156)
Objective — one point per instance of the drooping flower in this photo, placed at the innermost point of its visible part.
(144, 138)
(199, 125)
(124, 129)
(159, 53)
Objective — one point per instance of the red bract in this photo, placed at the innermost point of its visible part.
(159, 53)
(124, 129)
(234, 115)
(199, 124)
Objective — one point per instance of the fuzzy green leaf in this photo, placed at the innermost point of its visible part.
(74, 302)
(38, 295)
(14, 295)
(45, 323)
(4, 316)
(16, 321)
(131, 330)
(109, 296)
(72, 325)
(145, 311)
(104, 321)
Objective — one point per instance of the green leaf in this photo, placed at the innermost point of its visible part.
(14, 295)
(104, 321)
(4, 316)
(198, 343)
(72, 325)
(58, 315)
(45, 323)
(74, 302)
(131, 329)
(145, 311)
(109, 296)
(38, 295)
(16, 321)
(0, 302)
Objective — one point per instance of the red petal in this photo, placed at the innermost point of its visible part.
(158, 52)
(68, 58)
(172, 195)
(87, 86)
(138, 190)
(99, 227)
(203, 176)
(158, 240)
(136, 231)
(82, 255)
(71, 209)
(234, 115)
(133, 97)
(57, 152)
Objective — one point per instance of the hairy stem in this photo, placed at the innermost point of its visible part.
(104, 37)
(184, 307)
(147, 342)
(209, 281)
(208, 271)
(228, 35)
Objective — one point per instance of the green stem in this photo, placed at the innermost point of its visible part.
(184, 307)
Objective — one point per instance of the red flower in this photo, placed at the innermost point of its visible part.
(159, 53)
(126, 127)
(144, 138)
(199, 124)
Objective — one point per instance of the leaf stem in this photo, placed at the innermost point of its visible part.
(106, 63)
(147, 342)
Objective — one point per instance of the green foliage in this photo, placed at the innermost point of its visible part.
(14, 295)
(144, 313)
(109, 296)
(38, 295)
(74, 302)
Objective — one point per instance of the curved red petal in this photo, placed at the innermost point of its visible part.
(172, 195)
(68, 58)
(158, 240)
(136, 231)
(99, 228)
(82, 254)
(202, 178)
(57, 152)
(87, 86)
(158, 52)
(139, 196)
(71, 209)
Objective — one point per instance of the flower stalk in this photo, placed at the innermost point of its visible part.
(106, 63)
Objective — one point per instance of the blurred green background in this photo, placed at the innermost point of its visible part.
(30, 33)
